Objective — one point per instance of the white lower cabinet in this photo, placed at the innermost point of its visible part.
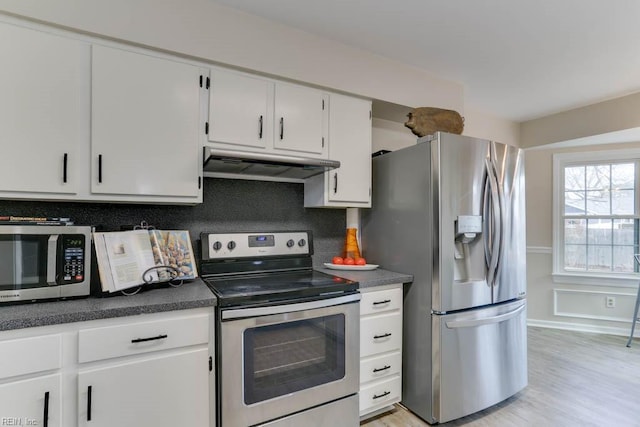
(32, 402)
(380, 349)
(30, 381)
(164, 391)
(147, 370)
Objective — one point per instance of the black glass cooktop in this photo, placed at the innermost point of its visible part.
(264, 288)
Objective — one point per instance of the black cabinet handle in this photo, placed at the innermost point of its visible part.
(335, 183)
(381, 369)
(378, 396)
(100, 168)
(281, 127)
(387, 301)
(64, 168)
(89, 403)
(159, 337)
(45, 417)
(388, 334)
(260, 133)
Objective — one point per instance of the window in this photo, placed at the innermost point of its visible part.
(596, 219)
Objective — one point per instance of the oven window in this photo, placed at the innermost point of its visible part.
(23, 261)
(289, 357)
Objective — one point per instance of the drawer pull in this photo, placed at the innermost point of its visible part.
(45, 418)
(89, 403)
(387, 301)
(378, 396)
(381, 369)
(376, 337)
(159, 337)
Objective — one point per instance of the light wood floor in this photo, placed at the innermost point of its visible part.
(575, 379)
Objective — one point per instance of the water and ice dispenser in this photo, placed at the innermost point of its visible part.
(468, 249)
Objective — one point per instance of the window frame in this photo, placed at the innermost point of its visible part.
(560, 161)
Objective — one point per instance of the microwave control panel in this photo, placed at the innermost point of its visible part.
(71, 265)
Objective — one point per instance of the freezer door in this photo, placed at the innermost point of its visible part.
(480, 359)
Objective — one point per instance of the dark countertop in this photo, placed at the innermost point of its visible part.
(192, 294)
(370, 278)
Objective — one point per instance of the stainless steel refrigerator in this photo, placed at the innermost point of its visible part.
(451, 211)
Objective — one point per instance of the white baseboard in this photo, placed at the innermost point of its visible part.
(580, 327)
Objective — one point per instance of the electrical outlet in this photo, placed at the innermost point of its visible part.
(611, 302)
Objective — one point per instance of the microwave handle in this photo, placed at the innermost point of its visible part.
(52, 259)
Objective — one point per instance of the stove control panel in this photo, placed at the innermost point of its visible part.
(251, 245)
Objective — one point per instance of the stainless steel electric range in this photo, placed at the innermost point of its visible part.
(287, 347)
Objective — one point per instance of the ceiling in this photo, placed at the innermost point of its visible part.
(517, 59)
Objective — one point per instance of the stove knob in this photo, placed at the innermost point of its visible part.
(217, 246)
(290, 243)
(231, 245)
(302, 242)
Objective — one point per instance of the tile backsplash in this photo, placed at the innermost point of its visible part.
(228, 205)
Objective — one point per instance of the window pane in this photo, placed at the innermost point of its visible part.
(623, 232)
(575, 257)
(574, 178)
(599, 232)
(622, 202)
(623, 259)
(574, 203)
(575, 231)
(598, 177)
(598, 202)
(623, 176)
(599, 258)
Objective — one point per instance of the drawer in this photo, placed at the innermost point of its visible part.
(380, 334)
(140, 337)
(380, 301)
(380, 394)
(29, 355)
(380, 367)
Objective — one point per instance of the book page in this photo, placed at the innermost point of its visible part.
(130, 255)
(173, 248)
(104, 269)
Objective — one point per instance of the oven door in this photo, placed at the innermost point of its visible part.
(278, 360)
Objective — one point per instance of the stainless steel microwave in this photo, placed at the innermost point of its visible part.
(44, 262)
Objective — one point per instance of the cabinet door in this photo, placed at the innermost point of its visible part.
(166, 391)
(350, 143)
(299, 120)
(43, 110)
(145, 125)
(239, 112)
(34, 402)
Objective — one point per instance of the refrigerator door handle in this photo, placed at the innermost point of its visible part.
(496, 236)
(484, 321)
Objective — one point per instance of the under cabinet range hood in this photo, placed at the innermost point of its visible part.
(251, 164)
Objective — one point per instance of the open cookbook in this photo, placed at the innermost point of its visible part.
(127, 259)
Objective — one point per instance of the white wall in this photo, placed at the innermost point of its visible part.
(207, 31)
(480, 124)
(603, 119)
(390, 135)
(562, 305)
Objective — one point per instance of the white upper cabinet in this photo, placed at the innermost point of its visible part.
(350, 143)
(299, 120)
(239, 110)
(43, 111)
(145, 125)
(256, 114)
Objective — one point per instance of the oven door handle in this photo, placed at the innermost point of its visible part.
(288, 308)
